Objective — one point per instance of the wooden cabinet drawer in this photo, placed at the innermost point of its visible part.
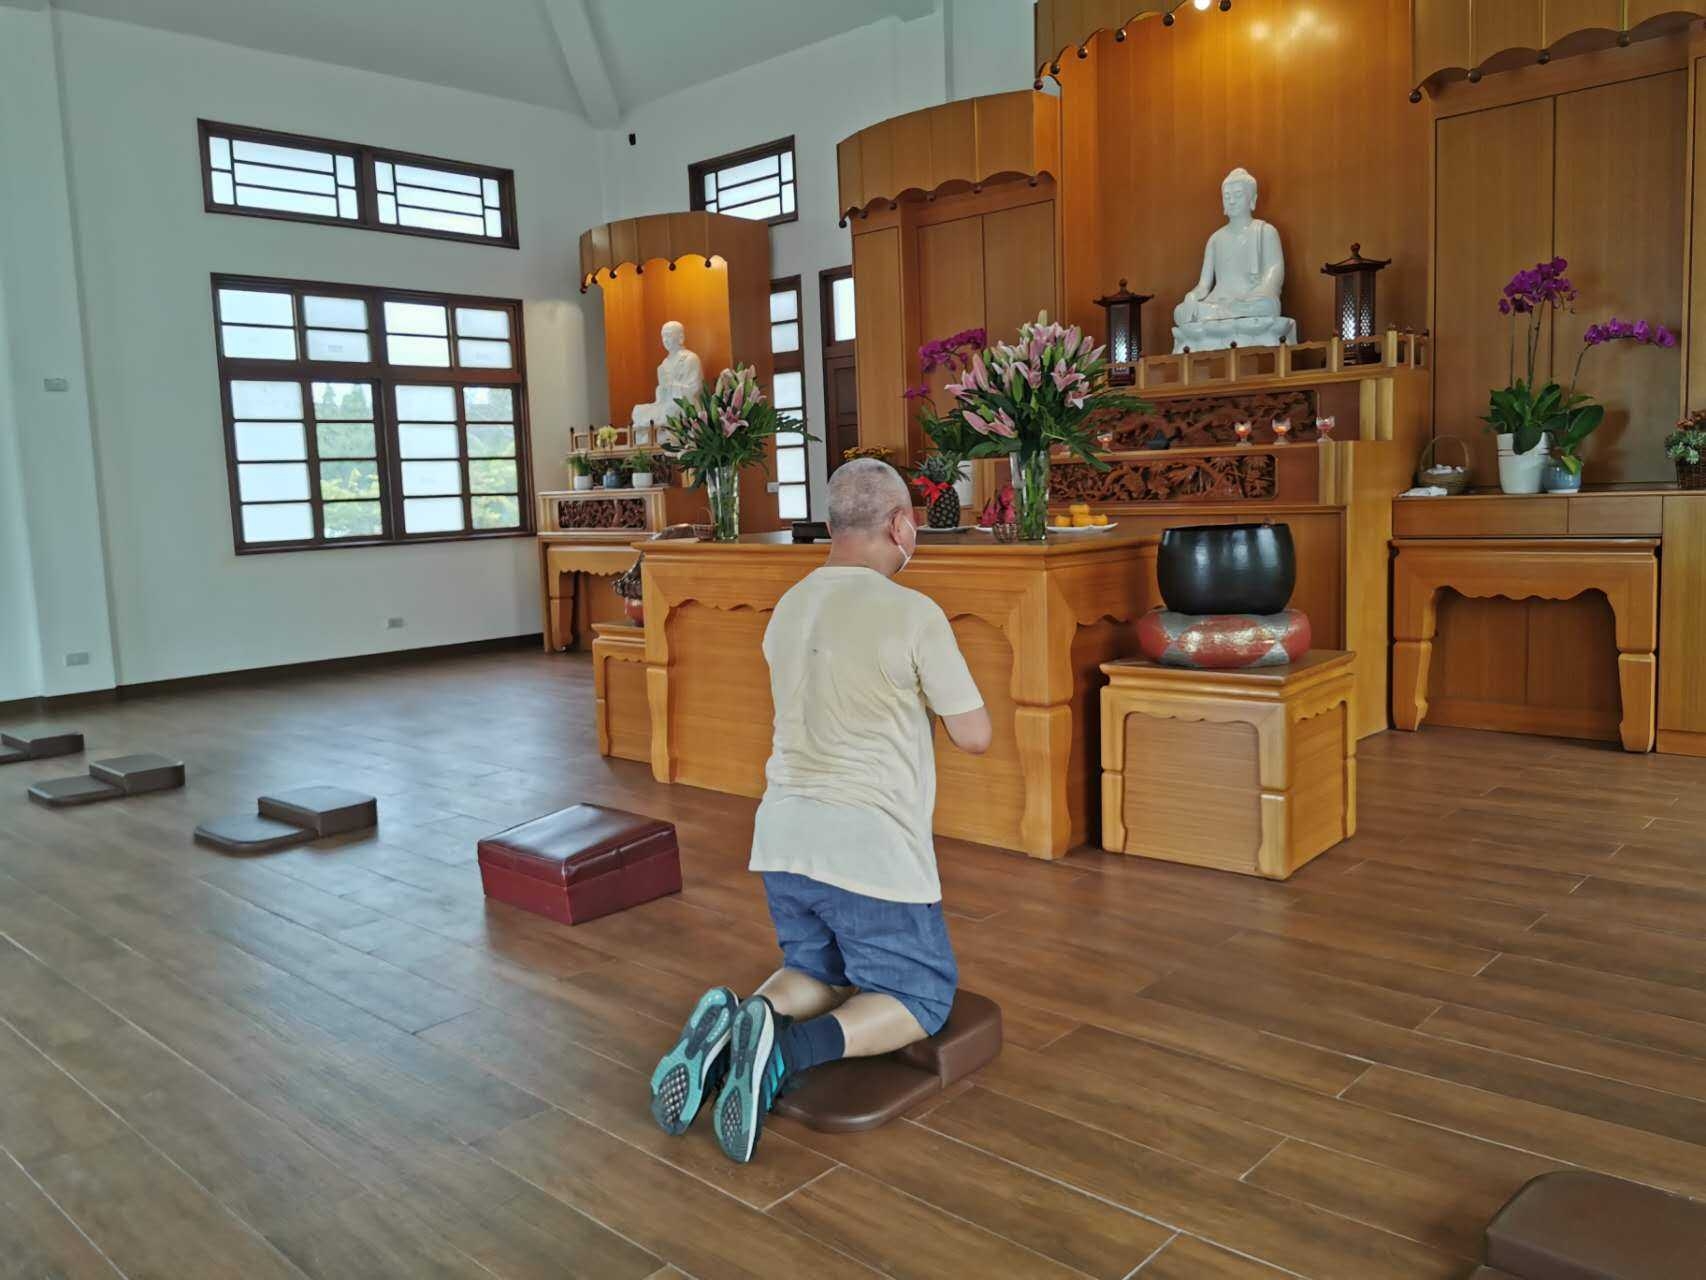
(1541, 516)
(1616, 515)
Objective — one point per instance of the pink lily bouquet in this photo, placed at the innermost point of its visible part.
(722, 431)
(1024, 399)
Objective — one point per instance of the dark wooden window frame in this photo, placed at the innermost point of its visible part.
(794, 362)
(696, 174)
(367, 195)
(384, 377)
(832, 350)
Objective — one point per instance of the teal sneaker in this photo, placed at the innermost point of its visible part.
(756, 1076)
(697, 1063)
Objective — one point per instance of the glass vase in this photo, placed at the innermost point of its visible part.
(1030, 493)
(722, 487)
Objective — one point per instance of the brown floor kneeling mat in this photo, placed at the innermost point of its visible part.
(40, 745)
(1574, 1225)
(861, 1093)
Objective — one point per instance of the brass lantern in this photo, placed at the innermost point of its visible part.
(1125, 333)
(1353, 301)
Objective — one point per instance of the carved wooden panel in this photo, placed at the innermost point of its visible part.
(1203, 422)
(1219, 478)
(601, 513)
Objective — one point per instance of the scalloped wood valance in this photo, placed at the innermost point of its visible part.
(1071, 24)
(670, 237)
(1457, 39)
(974, 141)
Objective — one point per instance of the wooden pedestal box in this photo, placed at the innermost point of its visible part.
(1251, 771)
(619, 685)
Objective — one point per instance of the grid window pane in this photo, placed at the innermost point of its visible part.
(317, 180)
(432, 515)
(758, 211)
(784, 305)
(841, 304)
(317, 461)
(426, 440)
(791, 466)
(788, 388)
(278, 400)
(784, 337)
(426, 404)
(734, 176)
(434, 352)
(338, 344)
(281, 522)
(788, 198)
(489, 404)
(354, 520)
(343, 400)
(421, 478)
(251, 306)
(792, 503)
(250, 342)
(271, 442)
(345, 439)
(272, 481)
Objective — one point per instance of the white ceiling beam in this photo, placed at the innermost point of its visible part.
(583, 60)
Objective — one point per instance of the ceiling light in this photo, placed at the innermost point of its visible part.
(1202, 5)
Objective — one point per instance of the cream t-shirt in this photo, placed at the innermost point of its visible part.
(856, 663)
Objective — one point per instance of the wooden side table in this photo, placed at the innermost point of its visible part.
(619, 691)
(1625, 569)
(1251, 771)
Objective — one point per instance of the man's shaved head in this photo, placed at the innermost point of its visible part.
(864, 496)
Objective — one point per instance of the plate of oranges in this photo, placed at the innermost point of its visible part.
(1080, 520)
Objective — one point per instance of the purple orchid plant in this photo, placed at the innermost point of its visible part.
(1529, 412)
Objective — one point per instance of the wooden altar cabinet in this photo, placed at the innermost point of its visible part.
(1035, 623)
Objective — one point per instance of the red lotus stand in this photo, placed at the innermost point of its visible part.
(581, 862)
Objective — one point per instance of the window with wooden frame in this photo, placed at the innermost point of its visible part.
(788, 388)
(265, 174)
(840, 372)
(757, 183)
(357, 416)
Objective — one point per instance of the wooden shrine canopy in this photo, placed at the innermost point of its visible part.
(671, 237)
(1450, 39)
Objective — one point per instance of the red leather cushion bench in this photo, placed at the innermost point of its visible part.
(581, 862)
(854, 1094)
(1574, 1225)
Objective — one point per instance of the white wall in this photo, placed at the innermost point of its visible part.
(63, 598)
(20, 643)
(183, 602)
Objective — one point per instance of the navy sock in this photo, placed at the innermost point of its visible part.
(806, 1044)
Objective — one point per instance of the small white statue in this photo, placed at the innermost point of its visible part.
(679, 377)
(1237, 297)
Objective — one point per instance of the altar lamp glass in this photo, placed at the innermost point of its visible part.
(1125, 332)
(1353, 302)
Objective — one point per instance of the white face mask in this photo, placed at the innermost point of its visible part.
(905, 555)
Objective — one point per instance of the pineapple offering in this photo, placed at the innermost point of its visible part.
(935, 484)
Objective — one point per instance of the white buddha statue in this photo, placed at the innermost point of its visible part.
(1237, 297)
(679, 378)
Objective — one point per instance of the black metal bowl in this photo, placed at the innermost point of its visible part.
(1227, 568)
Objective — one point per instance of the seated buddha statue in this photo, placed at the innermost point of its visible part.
(679, 378)
(1237, 297)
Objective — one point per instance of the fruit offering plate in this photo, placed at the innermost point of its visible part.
(1084, 528)
(953, 528)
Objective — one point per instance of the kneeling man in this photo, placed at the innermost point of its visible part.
(842, 837)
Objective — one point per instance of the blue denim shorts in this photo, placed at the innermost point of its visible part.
(845, 939)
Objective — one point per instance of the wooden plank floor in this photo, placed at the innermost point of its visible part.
(341, 1062)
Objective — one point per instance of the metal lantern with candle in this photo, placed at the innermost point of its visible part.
(1125, 333)
(1353, 302)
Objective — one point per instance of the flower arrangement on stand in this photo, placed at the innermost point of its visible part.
(721, 432)
(1027, 398)
(1686, 447)
(1534, 421)
(939, 474)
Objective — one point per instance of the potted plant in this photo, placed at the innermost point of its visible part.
(951, 439)
(640, 470)
(580, 467)
(723, 430)
(1579, 416)
(1686, 446)
(606, 437)
(612, 474)
(1533, 421)
(1028, 398)
(664, 469)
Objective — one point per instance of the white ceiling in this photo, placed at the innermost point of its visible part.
(598, 58)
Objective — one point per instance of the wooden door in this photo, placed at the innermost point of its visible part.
(840, 369)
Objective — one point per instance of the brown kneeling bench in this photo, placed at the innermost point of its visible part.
(854, 1094)
(1574, 1225)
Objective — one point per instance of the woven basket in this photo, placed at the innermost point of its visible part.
(1430, 472)
(1691, 475)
